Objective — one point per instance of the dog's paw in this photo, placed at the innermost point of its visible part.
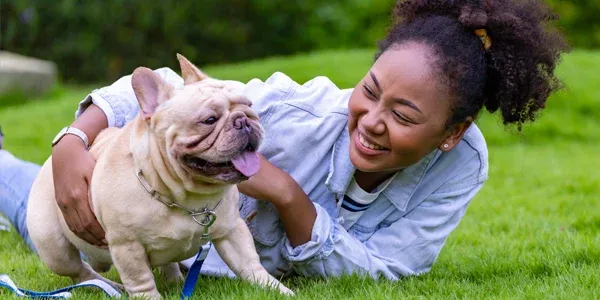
(175, 278)
(284, 290)
(172, 272)
(118, 286)
(154, 295)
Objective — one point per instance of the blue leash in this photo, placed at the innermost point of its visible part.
(192, 276)
(64, 293)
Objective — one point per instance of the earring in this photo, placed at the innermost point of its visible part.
(446, 146)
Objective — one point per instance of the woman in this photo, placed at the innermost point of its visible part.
(369, 180)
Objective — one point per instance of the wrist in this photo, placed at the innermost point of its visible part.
(73, 131)
(69, 141)
(91, 122)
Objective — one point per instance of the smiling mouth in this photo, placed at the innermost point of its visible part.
(367, 144)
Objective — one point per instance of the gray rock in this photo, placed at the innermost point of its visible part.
(30, 76)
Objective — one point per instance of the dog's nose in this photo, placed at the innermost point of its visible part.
(241, 123)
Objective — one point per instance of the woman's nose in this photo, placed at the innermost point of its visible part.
(372, 122)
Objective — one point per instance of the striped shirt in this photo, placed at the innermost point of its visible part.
(356, 201)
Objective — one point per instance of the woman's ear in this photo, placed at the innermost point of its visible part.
(455, 134)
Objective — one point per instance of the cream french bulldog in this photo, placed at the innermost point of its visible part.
(191, 145)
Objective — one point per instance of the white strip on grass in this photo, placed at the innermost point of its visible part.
(4, 224)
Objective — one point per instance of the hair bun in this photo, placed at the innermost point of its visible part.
(473, 17)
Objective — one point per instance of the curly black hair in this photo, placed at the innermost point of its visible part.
(515, 75)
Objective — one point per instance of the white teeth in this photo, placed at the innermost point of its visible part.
(367, 144)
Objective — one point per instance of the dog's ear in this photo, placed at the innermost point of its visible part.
(191, 73)
(150, 90)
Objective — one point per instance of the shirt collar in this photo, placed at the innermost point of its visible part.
(341, 169)
(402, 188)
(398, 191)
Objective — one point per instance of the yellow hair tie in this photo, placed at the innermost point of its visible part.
(485, 38)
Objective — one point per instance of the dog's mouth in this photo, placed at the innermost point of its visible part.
(239, 167)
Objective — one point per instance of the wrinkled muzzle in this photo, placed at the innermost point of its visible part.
(233, 157)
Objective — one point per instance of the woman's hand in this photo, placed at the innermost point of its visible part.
(72, 167)
(269, 184)
(296, 210)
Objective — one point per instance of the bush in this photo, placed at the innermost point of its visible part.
(101, 40)
(579, 21)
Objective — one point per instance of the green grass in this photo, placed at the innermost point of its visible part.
(532, 232)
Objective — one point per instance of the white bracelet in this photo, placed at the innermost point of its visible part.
(73, 131)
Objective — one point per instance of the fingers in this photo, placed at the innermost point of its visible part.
(86, 212)
(76, 226)
(90, 223)
(92, 230)
(80, 219)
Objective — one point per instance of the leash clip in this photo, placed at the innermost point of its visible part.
(209, 218)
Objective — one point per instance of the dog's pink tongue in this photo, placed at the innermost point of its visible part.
(247, 163)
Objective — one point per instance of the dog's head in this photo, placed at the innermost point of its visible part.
(206, 130)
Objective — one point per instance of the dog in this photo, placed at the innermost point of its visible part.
(188, 146)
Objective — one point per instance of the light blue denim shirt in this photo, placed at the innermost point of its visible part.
(402, 231)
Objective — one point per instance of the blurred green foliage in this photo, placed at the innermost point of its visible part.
(103, 39)
(579, 20)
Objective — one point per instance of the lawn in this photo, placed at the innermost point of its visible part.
(532, 232)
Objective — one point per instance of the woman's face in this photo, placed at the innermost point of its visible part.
(398, 112)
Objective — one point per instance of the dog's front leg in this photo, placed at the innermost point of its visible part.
(132, 263)
(237, 249)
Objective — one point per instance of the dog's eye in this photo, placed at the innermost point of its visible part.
(210, 121)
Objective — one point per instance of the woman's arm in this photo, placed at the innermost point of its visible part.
(91, 122)
(295, 209)
(319, 246)
(72, 168)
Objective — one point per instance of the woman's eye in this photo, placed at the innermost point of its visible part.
(210, 121)
(401, 117)
(369, 91)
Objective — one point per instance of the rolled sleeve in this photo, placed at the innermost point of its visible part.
(118, 101)
(99, 101)
(407, 247)
(322, 240)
